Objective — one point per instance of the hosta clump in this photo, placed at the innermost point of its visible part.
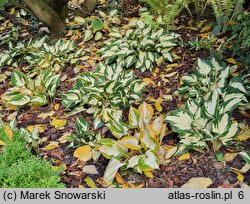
(204, 124)
(108, 89)
(28, 91)
(140, 47)
(212, 76)
(38, 54)
(137, 143)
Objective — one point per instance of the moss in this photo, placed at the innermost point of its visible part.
(20, 169)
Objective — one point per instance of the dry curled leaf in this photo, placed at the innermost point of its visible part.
(198, 182)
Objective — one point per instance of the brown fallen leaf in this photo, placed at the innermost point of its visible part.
(198, 182)
(230, 156)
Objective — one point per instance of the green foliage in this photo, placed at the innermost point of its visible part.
(108, 89)
(238, 44)
(27, 91)
(166, 10)
(202, 43)
(137, 143)
(205, 121)
(140, 47)
(39, 55)
(20, 169)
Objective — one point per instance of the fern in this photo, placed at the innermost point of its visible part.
(166, 10)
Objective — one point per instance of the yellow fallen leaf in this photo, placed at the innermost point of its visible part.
(57, 106)
(51, 146)
(8, 132)
(119, 179)
(230, 156)
(12, 11)
(148, 174)
(59, 169)
(148, 81)
(2, 143)
(40, 128)
(58, 123)
(45, 115)
(172, 65)
(81, 186)
(240, 177)
(184, 157)
(90, 182)
(244, 135)
(198, 182)
(158, 104)
(205, 28)
(83, 153)
(231, 61)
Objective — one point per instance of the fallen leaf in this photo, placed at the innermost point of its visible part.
(45, 115)
(230, 156)
(119, 179)
(231, 61)
(148, 174)
(83, 153)
(244, 135)
(8, 132)
(81, 186)
(205, 28)
(90, 169)
(2, 143)
(51, 146)
(184, 157)
(59, 169)
(57, 106)
(12, 116)
(90, 182)
(40, 128)
(58, 123)
(158, 104)
(198, 182)
(148, 81)
(240, 177)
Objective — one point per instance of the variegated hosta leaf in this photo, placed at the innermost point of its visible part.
(18, 79)
(111, 170)
(245, 156)
(232, 131)
(146, 113)
(180, 121)
(130, 142)
(210, 106)
(148, 162)
(221, 125)
(133, 117)
(110, 149)
(39, 99)
(82, 125)
(203, 68)
(17, 100)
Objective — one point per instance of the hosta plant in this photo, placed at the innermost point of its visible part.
(211, 76)
(38, 54)
(108, 89)
(140, 47)
(205, 124)
(136, 145)
(27, 91)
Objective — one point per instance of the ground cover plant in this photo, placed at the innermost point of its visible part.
(21, 169)
(125, 94)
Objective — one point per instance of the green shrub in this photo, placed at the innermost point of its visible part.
(140, 47)
(21, 169)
